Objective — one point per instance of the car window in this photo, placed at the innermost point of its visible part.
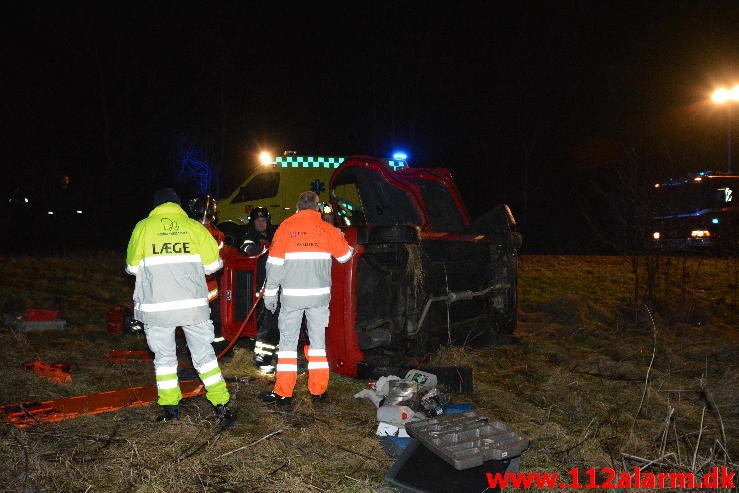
(380, 202)
(444, 214)
(262, 186)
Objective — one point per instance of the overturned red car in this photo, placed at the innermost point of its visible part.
(424, 274)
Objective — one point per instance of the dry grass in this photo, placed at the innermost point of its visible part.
(576, 383)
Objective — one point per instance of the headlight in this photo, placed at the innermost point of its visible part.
(700, 233)
(655, 235)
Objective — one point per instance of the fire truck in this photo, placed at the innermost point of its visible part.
(696, 212)
(423, 274)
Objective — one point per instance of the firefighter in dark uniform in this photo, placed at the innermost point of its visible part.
(202, 208)
(256, 240)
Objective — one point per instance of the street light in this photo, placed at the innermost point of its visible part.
(726, 96)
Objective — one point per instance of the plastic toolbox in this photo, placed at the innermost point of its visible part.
(468, 439)
(15, 321)
(419, 470)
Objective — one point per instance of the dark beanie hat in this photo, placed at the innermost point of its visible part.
(165, 195)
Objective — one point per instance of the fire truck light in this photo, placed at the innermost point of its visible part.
(655, 235)
(700, 233)
(265, 158)
(400, 156)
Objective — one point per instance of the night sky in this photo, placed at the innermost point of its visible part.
(527, 103)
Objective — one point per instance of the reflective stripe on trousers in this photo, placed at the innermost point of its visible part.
(161, 341)
(264, 349)
(289, 323)
(286, 373)
(317, 370)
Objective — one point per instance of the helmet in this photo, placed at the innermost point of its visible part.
(202, 208)
(259, 212)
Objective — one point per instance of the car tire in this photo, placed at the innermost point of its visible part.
(405, 233)
(503, 321)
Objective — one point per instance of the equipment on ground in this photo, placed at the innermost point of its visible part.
(56, 372)
(24, 414)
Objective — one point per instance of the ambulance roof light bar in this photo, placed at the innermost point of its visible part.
(294, 161)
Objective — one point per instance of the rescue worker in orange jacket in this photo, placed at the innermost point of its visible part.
(299, 265)
(203, 209)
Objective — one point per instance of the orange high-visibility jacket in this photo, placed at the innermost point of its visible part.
(300, 260)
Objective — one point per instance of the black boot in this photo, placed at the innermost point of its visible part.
(220, 346)
(315, 399)
(171, 413)
(226, 418)
(270, 397)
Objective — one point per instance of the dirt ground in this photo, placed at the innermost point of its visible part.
(596, 378)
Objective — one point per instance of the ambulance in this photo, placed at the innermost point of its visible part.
(276, 185)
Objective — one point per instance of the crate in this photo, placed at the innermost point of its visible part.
(15, 321)
(468, 439)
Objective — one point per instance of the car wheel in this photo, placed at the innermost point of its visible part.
(504, 305)
(405, 233)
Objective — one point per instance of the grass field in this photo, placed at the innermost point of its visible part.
(596, 378)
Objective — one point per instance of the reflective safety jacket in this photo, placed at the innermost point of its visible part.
(170, 254)
(300, 260)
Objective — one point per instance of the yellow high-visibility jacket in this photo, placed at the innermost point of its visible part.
(170, 254)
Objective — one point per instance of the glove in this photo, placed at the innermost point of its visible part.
(249, 248)
(270, 303)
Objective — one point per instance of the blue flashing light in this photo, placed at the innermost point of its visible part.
(400, 156)
(714, 220)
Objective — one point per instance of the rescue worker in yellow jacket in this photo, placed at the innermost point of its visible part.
(170, 254)
(299, 264)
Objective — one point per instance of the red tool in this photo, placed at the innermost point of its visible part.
(126, 356)
(57, 372)
(115, 319)
(36, 315)
(24, 414)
